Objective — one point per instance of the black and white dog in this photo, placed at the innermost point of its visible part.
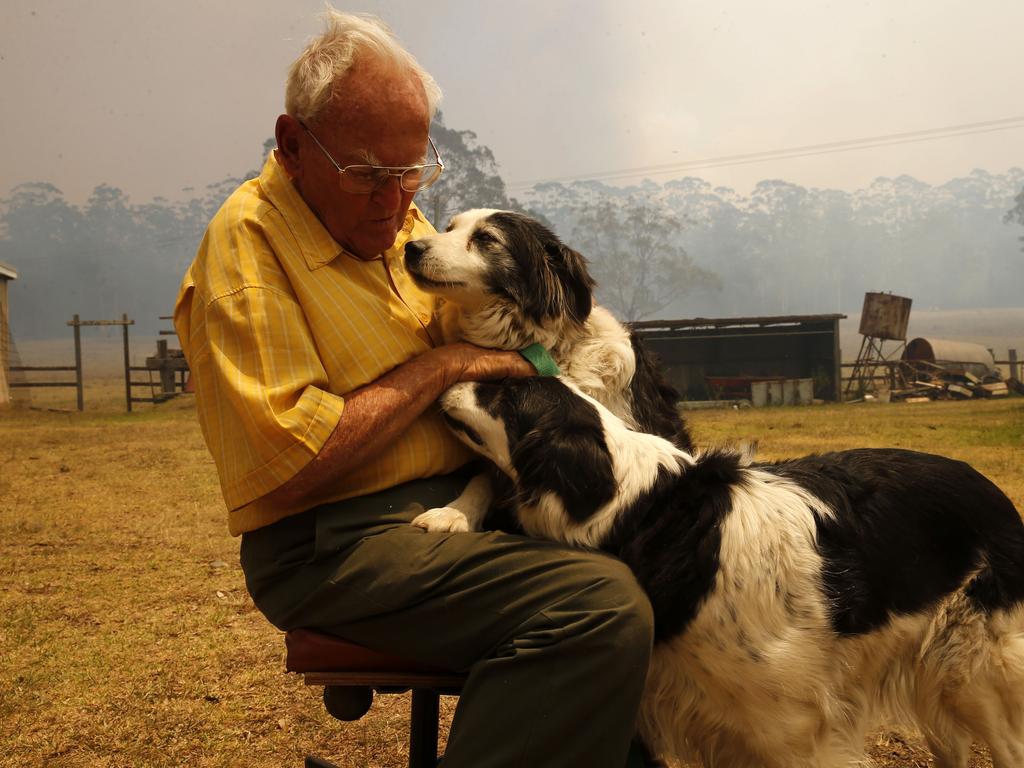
(795, 602)
(512, 283)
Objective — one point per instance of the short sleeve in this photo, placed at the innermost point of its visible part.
(261, 391)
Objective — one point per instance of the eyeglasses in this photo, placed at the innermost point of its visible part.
(364, 179)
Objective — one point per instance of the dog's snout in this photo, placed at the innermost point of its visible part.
(414, 251)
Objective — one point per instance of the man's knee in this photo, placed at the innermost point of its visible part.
(633, 624)
(612, 615)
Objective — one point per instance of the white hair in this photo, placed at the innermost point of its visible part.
(328, 57)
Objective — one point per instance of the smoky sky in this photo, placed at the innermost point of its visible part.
(157, 97)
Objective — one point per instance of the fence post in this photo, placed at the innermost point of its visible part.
(78, 363)
(1013, 364)
(127, 365)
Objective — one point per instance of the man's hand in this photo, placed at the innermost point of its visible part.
(467, 362)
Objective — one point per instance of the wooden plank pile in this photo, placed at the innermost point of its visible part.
(923, 381)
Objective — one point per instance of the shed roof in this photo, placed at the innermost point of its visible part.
(730, 322)
(7, 272)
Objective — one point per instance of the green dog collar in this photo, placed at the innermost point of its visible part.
(541, 360)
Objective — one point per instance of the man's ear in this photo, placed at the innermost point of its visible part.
(288, 133)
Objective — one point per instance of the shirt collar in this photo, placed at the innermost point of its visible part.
(317, 246)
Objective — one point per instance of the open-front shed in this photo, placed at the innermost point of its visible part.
(7, 274)
(712, 358)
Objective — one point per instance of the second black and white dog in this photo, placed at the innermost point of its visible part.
(795, 602)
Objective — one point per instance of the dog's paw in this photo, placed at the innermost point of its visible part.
(442, 520)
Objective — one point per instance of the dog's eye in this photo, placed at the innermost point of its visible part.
(483, 237)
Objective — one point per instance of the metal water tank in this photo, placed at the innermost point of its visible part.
(885, 316)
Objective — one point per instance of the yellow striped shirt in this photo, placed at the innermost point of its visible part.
(278, 324)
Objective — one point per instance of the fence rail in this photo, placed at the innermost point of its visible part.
(75, 369)
(41, 368)
(1014, 364)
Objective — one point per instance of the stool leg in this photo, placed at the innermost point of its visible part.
(423, 728)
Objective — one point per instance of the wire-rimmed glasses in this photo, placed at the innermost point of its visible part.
(362, 179)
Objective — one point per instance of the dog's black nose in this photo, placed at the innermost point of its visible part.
(414, 251)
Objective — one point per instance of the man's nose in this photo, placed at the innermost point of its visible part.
(389, 194)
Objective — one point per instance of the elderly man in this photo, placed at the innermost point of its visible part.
(316, 363)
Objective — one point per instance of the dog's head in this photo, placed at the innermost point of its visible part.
(487, 257)
(542, 433)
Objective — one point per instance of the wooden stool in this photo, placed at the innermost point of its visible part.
(351, 673)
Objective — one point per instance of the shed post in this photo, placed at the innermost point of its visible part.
(837, 361)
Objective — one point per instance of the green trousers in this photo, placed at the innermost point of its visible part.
(555, 640)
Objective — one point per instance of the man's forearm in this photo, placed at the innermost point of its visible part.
(376, 414)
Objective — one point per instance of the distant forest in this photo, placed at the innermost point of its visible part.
(785, 249)
(679, 249)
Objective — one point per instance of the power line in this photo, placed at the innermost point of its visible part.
(870, 142)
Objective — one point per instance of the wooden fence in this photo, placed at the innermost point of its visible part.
(168, 365)
(887, 371)
(77, 323)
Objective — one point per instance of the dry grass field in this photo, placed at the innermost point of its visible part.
(127, 637)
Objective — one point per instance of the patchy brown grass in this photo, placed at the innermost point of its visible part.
(989, 434)
(126, 634)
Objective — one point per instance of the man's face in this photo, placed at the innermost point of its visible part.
(381, 120)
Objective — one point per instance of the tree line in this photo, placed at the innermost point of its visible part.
(679, 249)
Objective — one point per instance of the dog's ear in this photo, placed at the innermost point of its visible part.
(556, 282)
(572, 463)
(571, 269)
